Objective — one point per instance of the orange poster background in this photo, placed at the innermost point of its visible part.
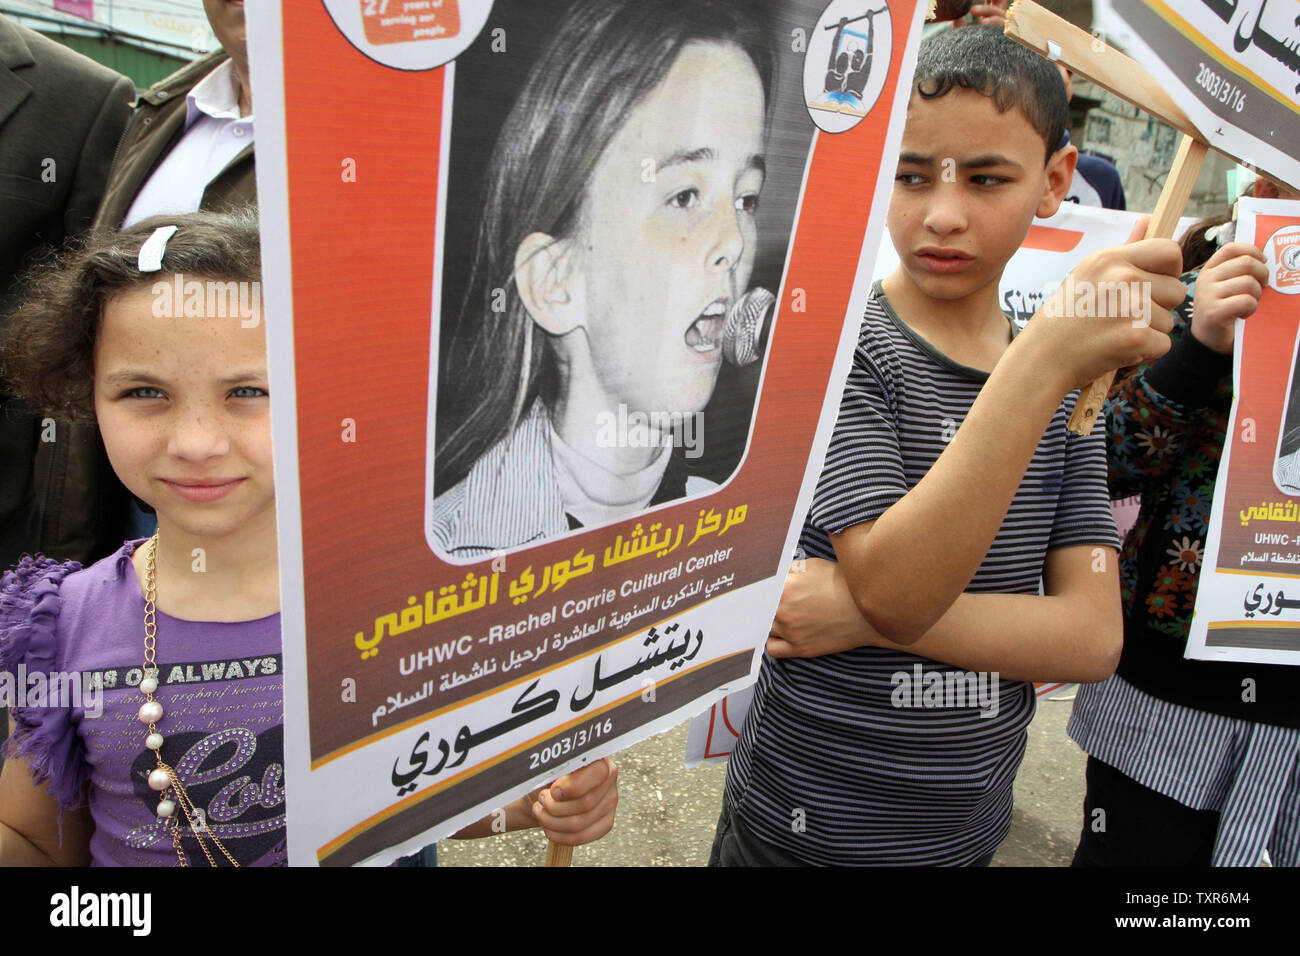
(362, 304)
(1268, 349)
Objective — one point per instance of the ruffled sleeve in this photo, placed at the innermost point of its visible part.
(43, 737)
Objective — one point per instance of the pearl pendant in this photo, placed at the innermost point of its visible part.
(166, 808)
(159, 779)
(154, 741)
(148, 685)
(151, 712)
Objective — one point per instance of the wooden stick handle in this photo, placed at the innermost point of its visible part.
(1173, 197)
(557, 855)
(1094, 59)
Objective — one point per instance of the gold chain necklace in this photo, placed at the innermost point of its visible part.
(163, 778)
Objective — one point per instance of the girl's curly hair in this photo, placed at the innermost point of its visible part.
(49, 351)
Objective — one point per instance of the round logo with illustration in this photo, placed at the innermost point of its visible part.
(410, 34)
(1283, 253)
(846, 63)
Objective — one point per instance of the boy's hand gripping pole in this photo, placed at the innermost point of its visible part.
(1173, 197)
(1092, 58)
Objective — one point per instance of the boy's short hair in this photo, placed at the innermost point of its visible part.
(985, 60)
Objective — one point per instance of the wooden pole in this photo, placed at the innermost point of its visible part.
(1090, 57)
(1093, 59)
(557, 855)
(1173, 197)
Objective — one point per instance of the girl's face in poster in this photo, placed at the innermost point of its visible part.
(668, 234)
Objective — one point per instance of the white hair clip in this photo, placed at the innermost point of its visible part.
(1221, 235)
(151, 253)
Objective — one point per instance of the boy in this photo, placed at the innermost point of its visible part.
(950, 487)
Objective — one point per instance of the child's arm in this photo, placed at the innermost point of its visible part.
(29, 823)
(933, 534)
(31, 832)
(1073, 632)
(1153, 413)
(1227, 289)
(576, 809)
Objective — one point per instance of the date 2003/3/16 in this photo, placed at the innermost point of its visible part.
(567, 744)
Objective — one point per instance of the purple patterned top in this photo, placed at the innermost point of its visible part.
(220, 687)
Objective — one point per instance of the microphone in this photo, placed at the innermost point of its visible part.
(744, 334)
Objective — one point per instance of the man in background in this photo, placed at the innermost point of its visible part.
(61, 114)
(1096, 180)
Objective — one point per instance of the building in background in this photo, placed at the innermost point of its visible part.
(1143, 149)
(149, 39)
(142, 39)
(1141, 146)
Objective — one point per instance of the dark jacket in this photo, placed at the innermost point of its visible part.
(60, 116)
(83, 506)
(155, 128)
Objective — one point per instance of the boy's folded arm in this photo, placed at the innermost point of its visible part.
(1072, 633)
(940, 531)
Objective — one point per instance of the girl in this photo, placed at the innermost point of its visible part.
(153, 734)
(617, 229)
(1194, 762)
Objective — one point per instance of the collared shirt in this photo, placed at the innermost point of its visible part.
(512, 495)
(595, 495)
(1287, 473)
(1247, 772)
(214, 135)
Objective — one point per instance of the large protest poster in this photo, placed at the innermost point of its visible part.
(506, 243)
(1233, 66)
(1248, 602)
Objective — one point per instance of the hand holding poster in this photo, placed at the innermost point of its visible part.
(553, 520)
(1252, 559)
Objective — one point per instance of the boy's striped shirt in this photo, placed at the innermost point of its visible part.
(880, 757)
